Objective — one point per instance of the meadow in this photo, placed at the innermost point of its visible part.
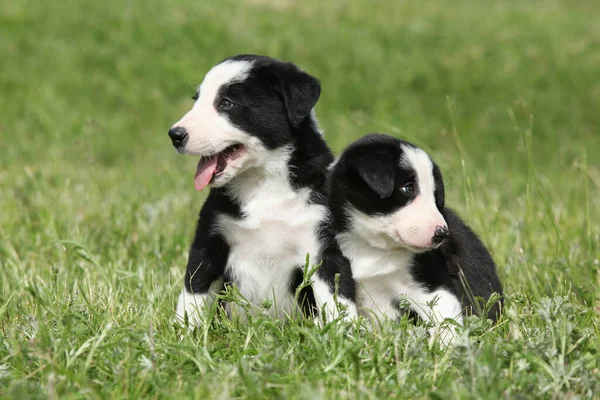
(97, 211)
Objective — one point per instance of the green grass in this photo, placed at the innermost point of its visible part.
(97, 211)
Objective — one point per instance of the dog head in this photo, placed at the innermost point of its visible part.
(246, 108)
(390, 193)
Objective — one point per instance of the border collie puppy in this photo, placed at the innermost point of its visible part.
(404, 245)
(259, 147)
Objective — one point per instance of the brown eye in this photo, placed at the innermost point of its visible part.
(225, 104)
(409, 188)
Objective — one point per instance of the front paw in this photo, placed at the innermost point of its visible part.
(446, 333)
(343, 309)
(190, 309)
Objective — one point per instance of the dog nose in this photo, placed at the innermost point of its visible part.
(178, 135)
(439, 234)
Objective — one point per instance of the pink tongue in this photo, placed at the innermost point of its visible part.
(204, 173)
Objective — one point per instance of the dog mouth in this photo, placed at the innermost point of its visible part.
(422, 249)
(211, 166)
(417, 249)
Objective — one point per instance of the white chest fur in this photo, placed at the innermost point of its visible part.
(271, 241)
(383, 278)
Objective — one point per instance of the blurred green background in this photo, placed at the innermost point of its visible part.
(505, 96)
(89, 90)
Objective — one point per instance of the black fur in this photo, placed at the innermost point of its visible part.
(273, 103)
(361, 180)
(332, 255)
(209, 251)
(306, 297)
(366, 176)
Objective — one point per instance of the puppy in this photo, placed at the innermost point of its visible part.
(387, 199)
(254, 132)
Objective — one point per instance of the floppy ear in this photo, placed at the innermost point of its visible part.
(439, 187)
(300, 92)
(378, 170)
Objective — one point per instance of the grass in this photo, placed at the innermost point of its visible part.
(97, 211)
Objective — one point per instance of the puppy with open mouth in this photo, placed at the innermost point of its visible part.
(259, 147)
(403, 243)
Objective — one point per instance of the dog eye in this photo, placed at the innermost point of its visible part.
(225, 104)
(195, 96)
(409, 188)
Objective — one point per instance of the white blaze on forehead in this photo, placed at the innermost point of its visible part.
(208, 130)
(221, 74)
(415, 223)
(412, 225)
(417, 160)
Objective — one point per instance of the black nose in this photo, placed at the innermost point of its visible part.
(178, 135)
(440, 233)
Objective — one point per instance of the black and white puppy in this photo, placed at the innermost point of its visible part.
(259, 147)
(387, 199)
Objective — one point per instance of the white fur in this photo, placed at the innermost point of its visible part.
(273, 240)
(413, 226)
(313, 117)
(381, 250)
(436, 307)
(270, 243)
(416, 222)
(328, 303)
(210, 132)
(193, 304)
(280, 225)
(383, 278)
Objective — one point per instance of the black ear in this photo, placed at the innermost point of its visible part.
(439, 187)
(300, 92)
(378, 170)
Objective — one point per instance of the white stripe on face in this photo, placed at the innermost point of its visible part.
(417, 160)
(227, 72)
(416, 222)
(413, 225)
(208, 130)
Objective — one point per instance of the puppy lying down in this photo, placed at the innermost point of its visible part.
(405, 247)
